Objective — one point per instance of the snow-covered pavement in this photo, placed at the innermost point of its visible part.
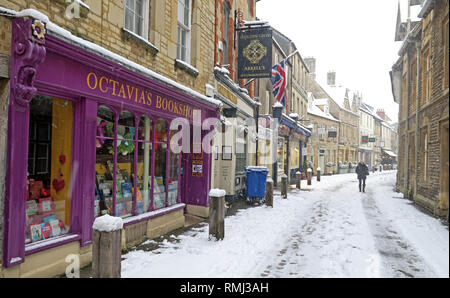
(332, 231)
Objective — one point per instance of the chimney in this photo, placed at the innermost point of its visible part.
(381, 113)
(331, 78)
(311, 63)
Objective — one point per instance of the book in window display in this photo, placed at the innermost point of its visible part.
(46, 230)
(36, 232)
(35, 189)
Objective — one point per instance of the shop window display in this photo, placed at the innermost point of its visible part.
(49, 168)
(104, 168)
(174, 173)
(126, 131)
(114, 150)
(144, 168)
(159, 195)
(127, 146)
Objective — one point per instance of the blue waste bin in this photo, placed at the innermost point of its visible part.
(256, 181)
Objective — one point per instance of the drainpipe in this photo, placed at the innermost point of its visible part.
(406, 149)
(416, 155)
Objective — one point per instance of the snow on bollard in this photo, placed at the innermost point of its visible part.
(284, 186)
(269, 192)
(318, 173)
(106, 249)
(309, 175)
(298, 180)
(217, 214)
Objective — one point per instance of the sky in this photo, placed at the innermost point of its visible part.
(354, 38)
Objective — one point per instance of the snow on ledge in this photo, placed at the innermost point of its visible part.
(107, 223)
(140, 38)
(187, 66)
(217, 193)
(278, 105)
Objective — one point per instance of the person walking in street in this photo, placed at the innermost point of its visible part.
(363, 171)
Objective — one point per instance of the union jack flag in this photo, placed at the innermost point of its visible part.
(279, 82)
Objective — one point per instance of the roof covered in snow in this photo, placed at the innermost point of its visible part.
(316, 111)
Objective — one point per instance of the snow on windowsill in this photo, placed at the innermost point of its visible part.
(67, 35)
(186, 66)
(141, 39)
(44, 243)
(152, 214)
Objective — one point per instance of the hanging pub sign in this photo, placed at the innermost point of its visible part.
(365, 139)
(372, 140)
(255, 52)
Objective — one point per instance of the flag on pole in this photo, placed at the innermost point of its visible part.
(279, 82)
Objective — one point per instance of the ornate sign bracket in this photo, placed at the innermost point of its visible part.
(28, 50)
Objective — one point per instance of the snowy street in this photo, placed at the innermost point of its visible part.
(331, 231)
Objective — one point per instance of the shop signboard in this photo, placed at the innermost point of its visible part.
(255, 53)
(332, 134)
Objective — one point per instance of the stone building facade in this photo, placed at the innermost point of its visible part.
(420, 86)
(343, 105)
(323, 146)
(152, 39)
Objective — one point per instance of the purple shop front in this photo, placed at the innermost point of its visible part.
(88, 137)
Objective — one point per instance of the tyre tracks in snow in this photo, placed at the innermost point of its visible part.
(397, 257)
(326, 239)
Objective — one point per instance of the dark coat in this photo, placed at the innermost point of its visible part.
(362, 170)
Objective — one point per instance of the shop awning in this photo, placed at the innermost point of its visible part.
(297, 129)
(390, 153)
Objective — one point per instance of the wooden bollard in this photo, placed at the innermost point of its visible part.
(309, 176)
(269, 192)
(318, 174)
(216, 214)
(106, 249)
(284, 186)
(298, 179)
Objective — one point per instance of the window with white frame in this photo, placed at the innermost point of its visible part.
(136, 17)
(184, 30)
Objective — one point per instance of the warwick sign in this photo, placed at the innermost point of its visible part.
(255, 53)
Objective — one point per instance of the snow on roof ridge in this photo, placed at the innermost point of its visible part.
(107, 53)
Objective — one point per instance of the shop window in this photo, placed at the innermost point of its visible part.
(160, 183)
(174, 174)
(104, 167)
(280, 154)
(49, 169)
(144, 168)
(115, 152)
(126, 131)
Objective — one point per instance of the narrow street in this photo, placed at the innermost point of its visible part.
(331, 231)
